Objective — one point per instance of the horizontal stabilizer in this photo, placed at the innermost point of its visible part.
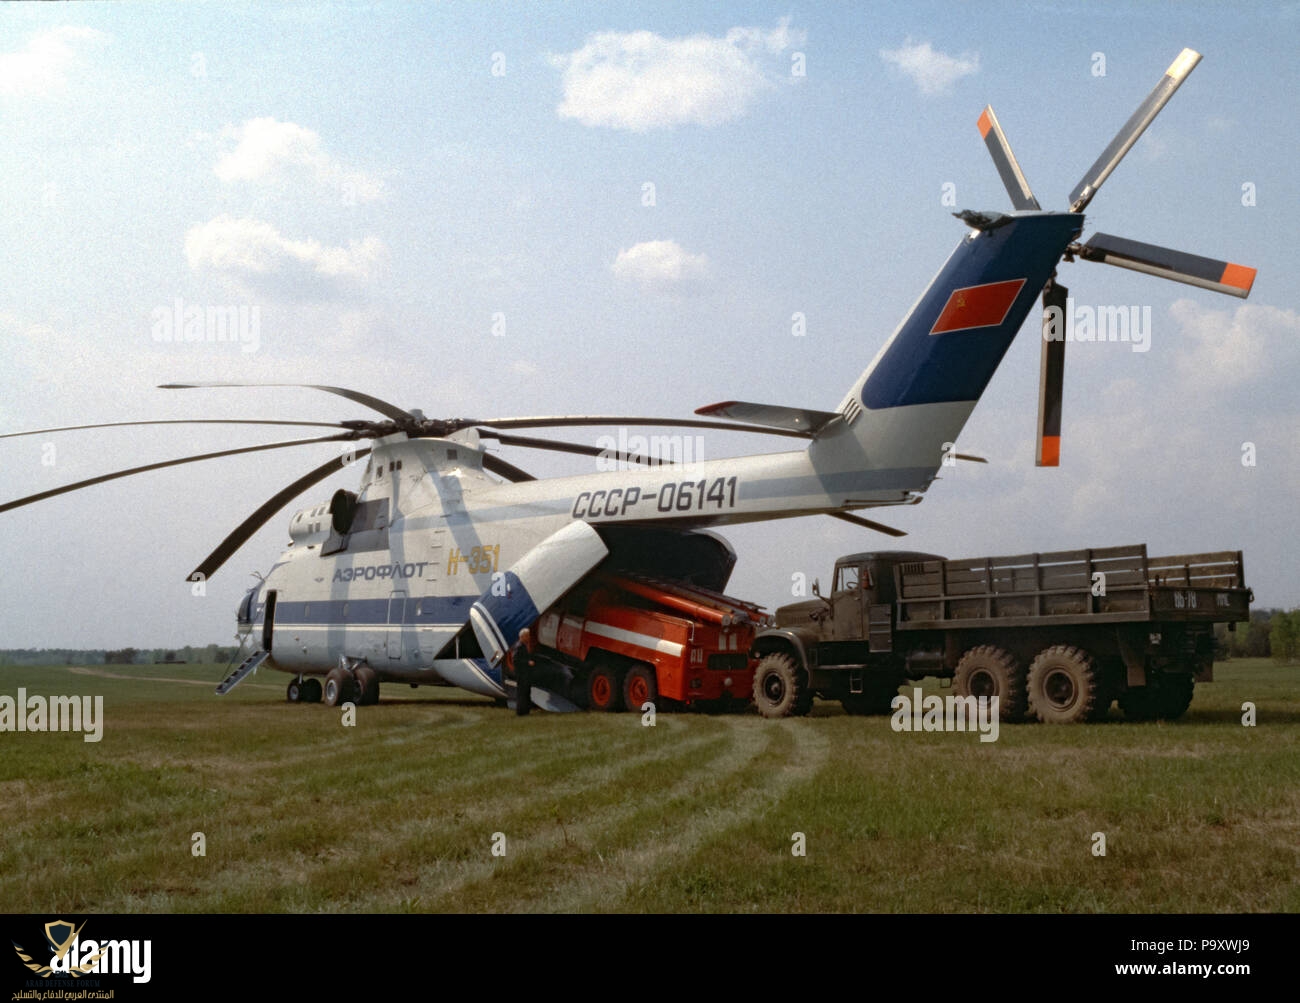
(792, 419)
(1208, 273)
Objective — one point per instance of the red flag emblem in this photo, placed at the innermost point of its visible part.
(977, 306)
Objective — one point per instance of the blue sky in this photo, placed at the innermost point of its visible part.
(388, 183)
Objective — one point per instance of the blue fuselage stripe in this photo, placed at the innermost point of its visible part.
(414, 611)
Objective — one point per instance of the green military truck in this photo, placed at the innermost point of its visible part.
(1058, 637)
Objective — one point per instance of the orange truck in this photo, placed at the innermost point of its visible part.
(630, 640)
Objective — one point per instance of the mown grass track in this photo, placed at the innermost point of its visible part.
(599, 813)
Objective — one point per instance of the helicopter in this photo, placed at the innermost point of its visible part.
(430, 570)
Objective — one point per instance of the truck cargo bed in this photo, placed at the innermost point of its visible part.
(1105, 585)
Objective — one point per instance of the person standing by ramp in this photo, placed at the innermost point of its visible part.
(521, 657)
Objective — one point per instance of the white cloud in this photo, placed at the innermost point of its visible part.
(1220, 350)
(662, 266)
(639, 80)
(253, 253)
(267, 150)
(1175, 436)
(43, 65)
(933, 72)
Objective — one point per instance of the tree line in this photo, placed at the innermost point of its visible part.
(210, 654)
(1271, 633)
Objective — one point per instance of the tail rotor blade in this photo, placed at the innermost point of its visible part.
(1133, 128)
(1208, 273)
(1051, 375)
(1005, 161)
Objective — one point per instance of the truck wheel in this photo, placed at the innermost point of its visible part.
(988, 671)
(1138, 703)
(604, 689)
(780, 689)
(640, 686)
(1164, 697)
(1063, 685)
(1174, 696)
(310, 690)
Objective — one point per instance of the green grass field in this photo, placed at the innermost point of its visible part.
(600, 813)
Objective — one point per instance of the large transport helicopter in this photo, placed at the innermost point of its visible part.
(429, 571)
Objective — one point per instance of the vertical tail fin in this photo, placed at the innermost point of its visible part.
(911, 403)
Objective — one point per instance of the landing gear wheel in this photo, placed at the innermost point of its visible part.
(340, 687)
(367, 683)
(1064, 685)
(989, 671)
(640, 687)
(780, 688)
(876, 697)
(294, 691)
(310, 690)
(605, 689)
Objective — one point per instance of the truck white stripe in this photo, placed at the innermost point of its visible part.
(631, 637)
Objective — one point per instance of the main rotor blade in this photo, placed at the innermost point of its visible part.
(1208, 273)
(1013, 178)
(244, 531)
(563, 421)
(1133, 128)
(41, 496)
(177, 421)
(1051, 375)
(509, 471)
(382, 406)
(857, 520)
(571, 447)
